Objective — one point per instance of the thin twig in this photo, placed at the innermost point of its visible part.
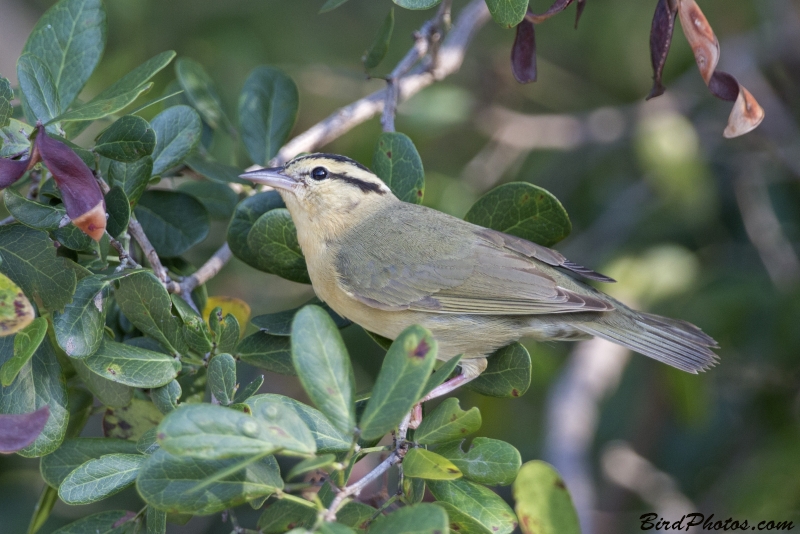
(205, 273)
(421, 44)
(356, 488)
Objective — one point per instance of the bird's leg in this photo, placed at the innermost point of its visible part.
(470, 370)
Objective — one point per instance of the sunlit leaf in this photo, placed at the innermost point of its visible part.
(487, 461)
(543, 503)
(422, 463)
(16, 311)
(131, 421)
(480, 503)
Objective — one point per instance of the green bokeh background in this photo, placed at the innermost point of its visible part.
(657, 198)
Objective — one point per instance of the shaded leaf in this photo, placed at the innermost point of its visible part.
(6, 96)
(267, 112)
(75, 452)
(18, 431)
(165, 398)
(523, 53)
(131, 177)
(280, 323)
(26, 341)
(478, 502)
(198, 87)
(16, 311)
(508, 373)
(128, 139)
(327, 437)
(80, 402)
(178, 131)
(461, 521)
(108, 522)
(543, 503)
(218, 199)
(214, 170)
(38, 86)
(173, 221)
(487, 461)
(40, 383)
(323, 366)
(273, 239)
(284, 515)
(133, 366)
(311, 464)
(131, 421)
(441, 374)
(148, 443)
(122, 93)
(242, 394)
(156, 521)
(397, 162)
(423, 518)
(507, 13)
(330, 5)
(42, 509)
(422, 463)
(79, 328)
(119, 211)
(14, 141)
(266, 351)
(400, 382)
(448, 422)
(417, 4)
(100, 478)
(380, 45)
(70, 38)
(171, 483)
(523, 210)
(244, 217)
(222, 378)
(110, 394)
(660, 41)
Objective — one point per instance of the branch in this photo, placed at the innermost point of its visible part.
(205, 273)
(356, 488)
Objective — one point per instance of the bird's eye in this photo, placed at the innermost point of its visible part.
(319, 173)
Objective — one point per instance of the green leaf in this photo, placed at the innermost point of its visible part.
(133, 366)
(215, 171)
(119, 211)
(523, 210)
(507, 13)
(273, 240)
(122, 93)
(441, 375)
(171, 483)
(228, 336)
(397, 162)
(131, 421)
(14, 138)
(324, 367)
(173, 221)
(488, 461)
(280, 323)
(462, 522)
(507, 375)
(16, 311)
(148, 443)
(80, 402)
(74, 452)
(311, 464)
(422, 463)
(39, 383)
(423, 518)
(222, 378)
(355, 514)
(178, 131)
(111, 394)
(543, 503)
(131, 177)
(380, 45)
(284, 515)
(218, 199)
(38, 86)
(156, 521)
(6, 96)
(479, 502)
(79, 329)
(32, 213)
(42, 509)
(242, 394)
(26, 342)
(262, 350)
(165, 398)
(267, 111)
(198, 87)
(413, 490)
(29, 260)
(73, 238)
(330, 5)
(70, 38)
(417, 4)
(128, 139)
(400, 382)
(448, 422)
(146, 304)
(327, 437)
(244, 217)
(100, 478)
(108, 522)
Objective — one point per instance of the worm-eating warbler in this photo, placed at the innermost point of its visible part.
(387, 264)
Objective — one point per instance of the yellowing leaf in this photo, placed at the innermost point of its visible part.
(236, 307)
(16, 311)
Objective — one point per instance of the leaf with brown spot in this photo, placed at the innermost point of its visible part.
(543, 503)
(746, 115)
(660, 41)
(523, 53)
(700, 36)
(422, 463)
(16, 311)
(132, 421)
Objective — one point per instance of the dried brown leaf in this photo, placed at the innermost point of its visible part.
(724, 86)
(746, 115)
(700, 36)
(660, 41)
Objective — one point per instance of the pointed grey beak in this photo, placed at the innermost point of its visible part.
(272, 176)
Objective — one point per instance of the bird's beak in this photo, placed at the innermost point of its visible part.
(272, 176)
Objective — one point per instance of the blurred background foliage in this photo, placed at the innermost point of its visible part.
(692, 225)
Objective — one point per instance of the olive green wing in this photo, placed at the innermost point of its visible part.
(420, 259)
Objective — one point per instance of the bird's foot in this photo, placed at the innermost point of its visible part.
(439, 391)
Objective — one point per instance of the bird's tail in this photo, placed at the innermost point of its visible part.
(671, 341)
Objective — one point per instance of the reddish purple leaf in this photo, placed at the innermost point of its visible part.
(557, 7)
(660, 41)
(581, 5)
(523, 53)
(724, 86)
(11, 170)
(79, 189)
(17, 431)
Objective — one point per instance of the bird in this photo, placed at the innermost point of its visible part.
(386, 264)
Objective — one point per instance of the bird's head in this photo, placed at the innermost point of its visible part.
(325, 188)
